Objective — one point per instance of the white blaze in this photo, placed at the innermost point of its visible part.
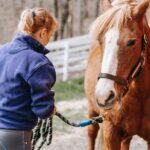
(109, 65)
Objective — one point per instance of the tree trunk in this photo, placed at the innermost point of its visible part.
(56, 12)
(97, 8)
(64, 17)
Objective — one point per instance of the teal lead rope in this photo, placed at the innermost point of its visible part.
(44, 129)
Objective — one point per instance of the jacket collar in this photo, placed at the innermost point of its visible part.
(31, 42)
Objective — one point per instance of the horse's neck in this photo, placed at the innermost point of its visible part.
(142, 82)
(141, 86)
(147, 36)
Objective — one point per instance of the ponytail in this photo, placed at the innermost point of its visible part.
(32, 20)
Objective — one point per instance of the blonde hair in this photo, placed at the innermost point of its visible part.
(32, 20)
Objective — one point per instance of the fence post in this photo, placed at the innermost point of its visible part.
(65, 67)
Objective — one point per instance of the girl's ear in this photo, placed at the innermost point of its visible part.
(105, 5)
(140, 10)
(43, 32)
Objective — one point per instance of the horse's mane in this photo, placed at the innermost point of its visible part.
(117, 16)
(117, 2)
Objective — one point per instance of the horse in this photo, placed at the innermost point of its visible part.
(117, 82)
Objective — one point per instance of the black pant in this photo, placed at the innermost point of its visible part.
(15, 140)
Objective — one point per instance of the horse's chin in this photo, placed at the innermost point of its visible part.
(108, 106)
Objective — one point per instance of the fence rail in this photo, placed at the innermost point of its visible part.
(69, 55)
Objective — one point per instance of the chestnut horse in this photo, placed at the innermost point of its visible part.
(117, 78)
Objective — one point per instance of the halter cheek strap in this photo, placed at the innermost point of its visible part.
(135, 72)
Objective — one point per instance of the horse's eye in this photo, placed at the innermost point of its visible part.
(131, 42)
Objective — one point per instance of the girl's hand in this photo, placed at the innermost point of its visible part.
(54, 112)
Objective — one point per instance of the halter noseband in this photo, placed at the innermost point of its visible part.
(135, 72)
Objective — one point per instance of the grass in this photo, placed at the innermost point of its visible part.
(71, 89)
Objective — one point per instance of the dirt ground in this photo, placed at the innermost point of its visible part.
(70, 138)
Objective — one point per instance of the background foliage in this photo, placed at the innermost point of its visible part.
(74, 16)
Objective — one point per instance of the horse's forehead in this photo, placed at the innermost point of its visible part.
(111, 35)
(131, 26)
(124, 33)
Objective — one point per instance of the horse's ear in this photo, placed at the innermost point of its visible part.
(140, 10)
(104, 5)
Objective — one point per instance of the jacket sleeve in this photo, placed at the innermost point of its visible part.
(41, 81)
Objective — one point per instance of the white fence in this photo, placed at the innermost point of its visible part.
(69, 55)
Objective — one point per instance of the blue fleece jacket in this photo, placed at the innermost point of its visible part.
(26, 77)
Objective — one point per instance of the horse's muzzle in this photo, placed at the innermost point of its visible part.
(109, 102)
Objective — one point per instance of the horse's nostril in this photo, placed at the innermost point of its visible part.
(111, 96)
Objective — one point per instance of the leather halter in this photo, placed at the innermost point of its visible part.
(135, 72)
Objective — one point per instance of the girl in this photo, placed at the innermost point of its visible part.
(26, 77)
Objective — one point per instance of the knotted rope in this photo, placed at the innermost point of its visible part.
(44, 129)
